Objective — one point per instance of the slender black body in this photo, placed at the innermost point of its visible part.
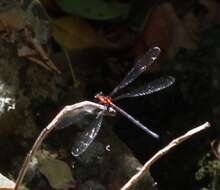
(142, 65)
(136, 122)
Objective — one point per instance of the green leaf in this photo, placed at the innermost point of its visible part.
(94, 9)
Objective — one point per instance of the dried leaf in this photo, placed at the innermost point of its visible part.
(166, 30)
(37, 17)
(156, 31)
(57, 172)
(13, 18)
(72, 32)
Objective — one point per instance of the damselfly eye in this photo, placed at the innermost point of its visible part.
(99, 94)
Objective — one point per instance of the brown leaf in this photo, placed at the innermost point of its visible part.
(13, 18)
(157, 29)
(73, 32)
(166, 30)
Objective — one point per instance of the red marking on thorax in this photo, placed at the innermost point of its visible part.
(105, 99)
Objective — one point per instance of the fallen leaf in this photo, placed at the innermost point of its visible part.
(57, 172)
(73, 32)
(13, 18)
(25, 51)
(166, 30)
(37, 17)
(156, 31)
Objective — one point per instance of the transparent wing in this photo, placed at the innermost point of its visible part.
(69, 120)
(149, 88)
(86, 138)
(142, 64)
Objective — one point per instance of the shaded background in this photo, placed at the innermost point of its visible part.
(91, 47)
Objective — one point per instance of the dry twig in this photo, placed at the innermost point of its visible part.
(162, 152)
(65, 117)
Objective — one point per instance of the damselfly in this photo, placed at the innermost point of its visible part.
(142, 64)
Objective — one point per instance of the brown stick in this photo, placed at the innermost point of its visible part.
(162, 152)
(68, 112)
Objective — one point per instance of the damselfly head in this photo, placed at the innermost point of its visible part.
(106, 100)
(98, 94)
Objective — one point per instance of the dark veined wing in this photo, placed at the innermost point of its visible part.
(149, 88)
(86, 138)
(141, 65)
